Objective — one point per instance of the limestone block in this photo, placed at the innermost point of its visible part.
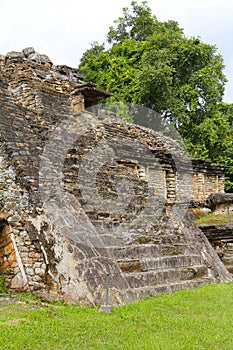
(30, 271)
(28, 51)
(8, 249)
(39, 271)
(17, 281)
(14, 55)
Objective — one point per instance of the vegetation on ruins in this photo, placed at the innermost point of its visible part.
(214, 219)
(191, 319)
(153, 64)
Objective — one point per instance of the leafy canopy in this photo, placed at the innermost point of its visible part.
(155, 65)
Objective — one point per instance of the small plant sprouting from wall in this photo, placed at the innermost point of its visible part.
(2, 285)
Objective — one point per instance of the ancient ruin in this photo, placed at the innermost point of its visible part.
(87, 198)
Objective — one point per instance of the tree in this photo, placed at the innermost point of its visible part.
(154, 64)
(137, 24)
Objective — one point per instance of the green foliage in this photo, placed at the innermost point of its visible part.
(136, 24)
(213, 140)
(2, 285)
(153, 64)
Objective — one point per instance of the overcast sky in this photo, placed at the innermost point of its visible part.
(64, 29)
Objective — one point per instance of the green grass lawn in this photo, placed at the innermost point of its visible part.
(196, 319)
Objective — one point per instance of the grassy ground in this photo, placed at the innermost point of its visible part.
(196, 319)
(214, 219)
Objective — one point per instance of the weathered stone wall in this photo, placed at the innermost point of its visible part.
(39, 86)
(207, 179)
(62, 233)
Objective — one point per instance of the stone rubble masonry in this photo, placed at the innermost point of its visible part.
(149, 247)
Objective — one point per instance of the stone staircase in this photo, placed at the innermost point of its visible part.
(171, 257)
(160, 268)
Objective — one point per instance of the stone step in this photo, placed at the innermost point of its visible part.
(156, 278)
(134, 251)
(160, 263)
(127, 295)
(124, 238)
(139, 251)
(180, 249)
(171, 239)
(109, 240)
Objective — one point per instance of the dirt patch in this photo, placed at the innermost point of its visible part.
(14, 322)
